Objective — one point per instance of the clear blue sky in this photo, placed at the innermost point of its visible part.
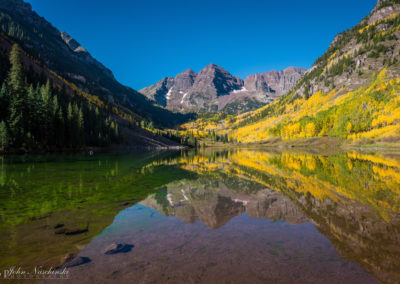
(144, 41)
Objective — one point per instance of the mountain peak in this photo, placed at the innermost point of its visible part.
(188, 71)
(213, 66)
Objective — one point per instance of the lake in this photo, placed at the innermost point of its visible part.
(202, 216)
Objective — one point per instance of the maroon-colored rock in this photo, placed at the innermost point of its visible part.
(214, 88)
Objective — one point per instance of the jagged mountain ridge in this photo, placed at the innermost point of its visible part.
(349, 94)
(65, 56)
(215, 89)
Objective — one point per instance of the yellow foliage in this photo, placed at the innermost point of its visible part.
(392, 16)
(349, 127)
(383, 120)
(310, 129)
(384, 132)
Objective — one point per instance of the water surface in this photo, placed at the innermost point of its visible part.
(239, 216)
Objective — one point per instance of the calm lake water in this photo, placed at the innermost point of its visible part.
(207, 216)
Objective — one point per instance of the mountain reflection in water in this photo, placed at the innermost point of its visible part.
(215, 202)
(240, 216)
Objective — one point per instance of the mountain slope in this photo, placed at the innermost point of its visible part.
(66, 57)
(56, 115)
(215, 89)
(46, 109)
(351, 92)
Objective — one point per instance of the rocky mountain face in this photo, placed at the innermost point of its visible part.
(355, 55)
(72, 43)
(283, 81)
(211, 83)
(215, 89)
(61, 53)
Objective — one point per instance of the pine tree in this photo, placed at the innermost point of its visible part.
(16, 122)
(18, 110)
(31, 111)
(42, 117)
(70, 125)
(3, 102)
(3, 136)
(46, 94)
(3, 91)
(81, 128)
(37, 114)
(59, 128)
(116, 133)
(55, 106)
(16, 75)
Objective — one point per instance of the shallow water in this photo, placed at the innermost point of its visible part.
(240, 216)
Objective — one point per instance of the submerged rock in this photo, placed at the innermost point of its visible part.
(58, 226)
(77, 261)
(59, 230)
(76, 231)
(115, 248)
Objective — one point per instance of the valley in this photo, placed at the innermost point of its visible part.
(268, 174)
(350, 93)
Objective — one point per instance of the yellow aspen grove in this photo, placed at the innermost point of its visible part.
(310, 129)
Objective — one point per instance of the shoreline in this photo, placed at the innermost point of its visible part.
(312, 144)
(92, 150)
(322, 143)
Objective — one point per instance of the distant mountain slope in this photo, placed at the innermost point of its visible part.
(48, 113)
(351, 92)
(81, 105)
(355, 54)
(283, 81)
(215, 89)
(66, 57)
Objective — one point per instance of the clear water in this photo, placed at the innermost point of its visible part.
(238, 216)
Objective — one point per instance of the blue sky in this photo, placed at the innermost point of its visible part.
(144, 41)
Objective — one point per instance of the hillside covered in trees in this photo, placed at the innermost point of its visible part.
(351, 93)
(68, 61)
(35, 116)
(56, 96)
